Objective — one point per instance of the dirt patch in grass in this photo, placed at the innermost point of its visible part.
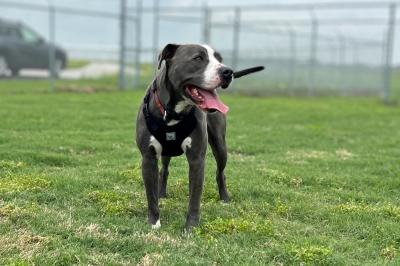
(150, 259)
(237, 156)
(23, 243)
(304, 156)
(344, 154)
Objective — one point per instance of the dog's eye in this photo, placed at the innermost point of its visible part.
(198, 58)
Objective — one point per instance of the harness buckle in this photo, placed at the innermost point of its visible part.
(165, 115)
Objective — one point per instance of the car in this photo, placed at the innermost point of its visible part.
(21, 47)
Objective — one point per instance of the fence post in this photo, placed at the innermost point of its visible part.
(313, 55)
(236, 37)
(206, 24)
(293, 58)
(342, 63)
(389, 52)
(156, 26)
(52, 51)
(138, 45)
(356, 49)
(122, 48)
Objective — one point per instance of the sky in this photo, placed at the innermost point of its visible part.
(95, 34)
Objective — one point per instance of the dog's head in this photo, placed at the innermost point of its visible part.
(195, 72)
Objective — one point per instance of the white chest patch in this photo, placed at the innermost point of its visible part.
(186, 144)
(180, 106)
(156, 145)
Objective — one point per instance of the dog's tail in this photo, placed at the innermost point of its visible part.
(247, 71)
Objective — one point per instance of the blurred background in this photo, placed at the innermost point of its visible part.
(347, 48)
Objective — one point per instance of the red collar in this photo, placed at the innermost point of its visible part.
(158, 103)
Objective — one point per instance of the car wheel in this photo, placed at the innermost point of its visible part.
(14, 72)
(3, 65)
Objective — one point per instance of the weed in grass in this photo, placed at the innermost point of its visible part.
(7, 168)
(132, 175)
(111, 202)
(118, 202)
(312, 254)
(389, 253)
(281, 208)
(385, 209)
(23, 182)
(11, 165)
(12, 211)
(222, 226)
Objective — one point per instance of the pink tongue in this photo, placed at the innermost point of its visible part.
(212, 101)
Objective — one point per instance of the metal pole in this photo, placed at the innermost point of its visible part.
(138, 43)
(293, 58)
(156, 26)
(313, 55)
(389, 52)
(356, 56)
(236, 37)
(342, 63)
(206, 24)
(52, 51)
(122, 48)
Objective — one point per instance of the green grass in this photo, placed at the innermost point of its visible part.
(313, 181)
(77, 63)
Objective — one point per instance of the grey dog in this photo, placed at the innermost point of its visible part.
(180, 114)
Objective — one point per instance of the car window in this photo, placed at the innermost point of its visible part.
(29, 35)
(8, 31)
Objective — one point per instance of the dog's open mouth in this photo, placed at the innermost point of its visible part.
(206, 99)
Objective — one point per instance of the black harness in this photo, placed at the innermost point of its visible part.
(170, 137)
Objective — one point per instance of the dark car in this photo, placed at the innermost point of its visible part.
(21, 47)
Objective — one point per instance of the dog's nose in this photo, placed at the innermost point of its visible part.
(226, 72)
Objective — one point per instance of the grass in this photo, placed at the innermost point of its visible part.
(313, 181)
(77, 63)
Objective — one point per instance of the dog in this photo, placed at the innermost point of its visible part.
(180, 114)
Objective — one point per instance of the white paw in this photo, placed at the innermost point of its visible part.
(157, 225)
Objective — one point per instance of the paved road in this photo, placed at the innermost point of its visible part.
(92, 70)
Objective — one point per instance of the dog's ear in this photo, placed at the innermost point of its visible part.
(167, 53)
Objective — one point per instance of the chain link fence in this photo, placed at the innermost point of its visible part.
(308, 49)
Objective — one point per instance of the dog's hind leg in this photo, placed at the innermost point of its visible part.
(216, 128)
(164, 176)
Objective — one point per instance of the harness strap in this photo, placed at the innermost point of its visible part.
(159, 104)
(168, 113)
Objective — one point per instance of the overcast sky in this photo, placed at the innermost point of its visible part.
(87, 31)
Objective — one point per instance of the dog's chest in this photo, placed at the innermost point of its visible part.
(172, 140)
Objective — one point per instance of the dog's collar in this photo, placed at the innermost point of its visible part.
(168, 113)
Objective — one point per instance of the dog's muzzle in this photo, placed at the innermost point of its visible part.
(226, 76)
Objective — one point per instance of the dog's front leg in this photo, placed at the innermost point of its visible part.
(150, 179)
(196, 180)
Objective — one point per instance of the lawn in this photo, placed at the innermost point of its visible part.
(313, 181)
